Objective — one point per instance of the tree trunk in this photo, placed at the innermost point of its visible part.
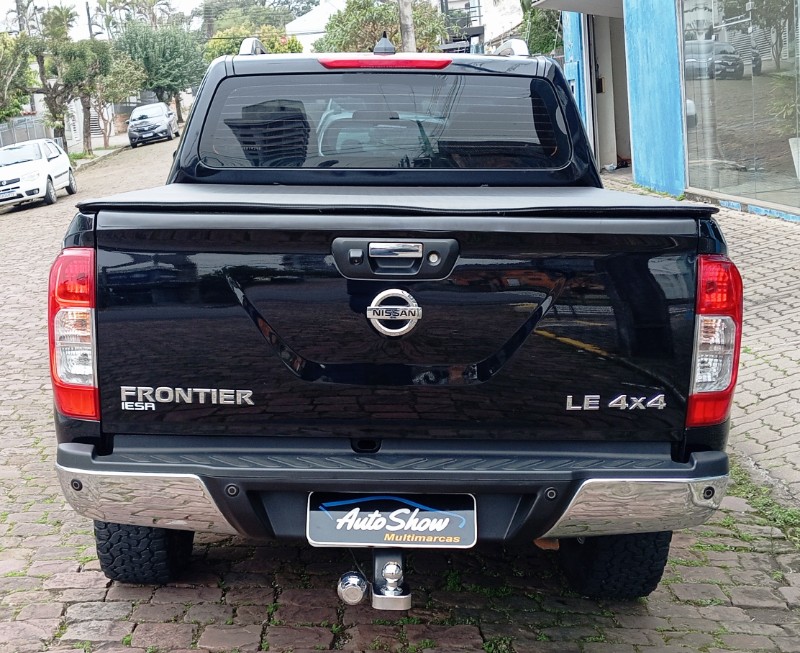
(777, 45)
(87, 124)
(408, 38)
(58, 132)
(22, 21)
(178, 112)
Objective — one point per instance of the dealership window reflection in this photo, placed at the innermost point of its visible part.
(740, 72)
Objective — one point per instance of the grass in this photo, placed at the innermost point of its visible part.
(77, 156)
(760, 498)
(452, 580)
(498, 645)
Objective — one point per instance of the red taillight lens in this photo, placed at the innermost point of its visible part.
(71, 325)
(718, 334)
(719, 287)
(425, 62)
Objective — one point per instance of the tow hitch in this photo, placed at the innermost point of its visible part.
(389, 592)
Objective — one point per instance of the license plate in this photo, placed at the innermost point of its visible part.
(146, 134)
(420, 521)
(6, 194)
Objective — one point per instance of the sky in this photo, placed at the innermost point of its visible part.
(81, 30)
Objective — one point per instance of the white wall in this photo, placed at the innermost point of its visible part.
(606, 129)
(499, 17)
(622, 120)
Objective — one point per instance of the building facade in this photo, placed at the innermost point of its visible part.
(698, 95)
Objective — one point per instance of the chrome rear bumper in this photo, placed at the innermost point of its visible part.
(599, 507)
(617, 506)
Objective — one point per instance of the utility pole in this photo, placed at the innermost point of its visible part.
(408, 40)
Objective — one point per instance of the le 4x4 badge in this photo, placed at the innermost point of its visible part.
(620, 402)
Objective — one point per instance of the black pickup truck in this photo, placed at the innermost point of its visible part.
(383, 301)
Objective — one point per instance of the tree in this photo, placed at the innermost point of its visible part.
(57, 22)
(111, 15)
(170, 58)
(14, 74)
(124, 78)
(774, 16)
(359, 26)
(47, 50)
(85, 62)
(541, 29)
(228, 41)
(152, 12)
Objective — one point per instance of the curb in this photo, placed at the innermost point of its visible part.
(98, 159)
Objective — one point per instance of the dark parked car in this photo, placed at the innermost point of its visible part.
(712, 59)
(152, 122)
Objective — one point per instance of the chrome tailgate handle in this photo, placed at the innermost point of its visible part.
(420, 258)
(395, 250)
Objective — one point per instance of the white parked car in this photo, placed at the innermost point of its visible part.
(32, 171)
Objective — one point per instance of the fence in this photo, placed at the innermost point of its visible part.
(21, 129)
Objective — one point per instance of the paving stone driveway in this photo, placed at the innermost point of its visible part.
(732, 585)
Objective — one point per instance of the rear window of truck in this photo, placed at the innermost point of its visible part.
(378, 120)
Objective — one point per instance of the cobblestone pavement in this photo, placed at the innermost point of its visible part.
(731, 585)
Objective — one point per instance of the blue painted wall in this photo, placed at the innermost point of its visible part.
(573, 57)
(654, 94)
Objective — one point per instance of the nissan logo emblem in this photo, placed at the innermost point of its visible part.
(394, 312)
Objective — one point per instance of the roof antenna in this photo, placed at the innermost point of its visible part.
(384, 46)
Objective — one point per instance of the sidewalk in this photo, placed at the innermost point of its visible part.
(116, 143)
(766, 415)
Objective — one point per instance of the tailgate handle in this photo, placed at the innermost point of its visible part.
(395, 250)
(420, 258)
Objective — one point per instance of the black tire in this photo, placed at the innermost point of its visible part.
(134, 145)
(177, 132)
(621, 567)
(170, 135)
(50, 196)
(72, 186)
(141, 554)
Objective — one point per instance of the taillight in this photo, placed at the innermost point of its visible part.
(424, 61)
(718, 334)
(71, 325)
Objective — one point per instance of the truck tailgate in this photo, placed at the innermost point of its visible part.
(559, 316)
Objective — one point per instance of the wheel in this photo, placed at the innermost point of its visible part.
(50, 196)
(72, 186)
(619, 567)
(177, 132)
(134, 145)
(141, 554)
(170, 135)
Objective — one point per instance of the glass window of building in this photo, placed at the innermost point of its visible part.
(740, 69)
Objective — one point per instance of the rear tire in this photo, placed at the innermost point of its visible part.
(72, 186)
(619, 567)
(141, 554)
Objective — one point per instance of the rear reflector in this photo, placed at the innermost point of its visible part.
(71, 325)
(425, 62)
(718, 334)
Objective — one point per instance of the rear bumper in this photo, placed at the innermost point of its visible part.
(590, 499)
